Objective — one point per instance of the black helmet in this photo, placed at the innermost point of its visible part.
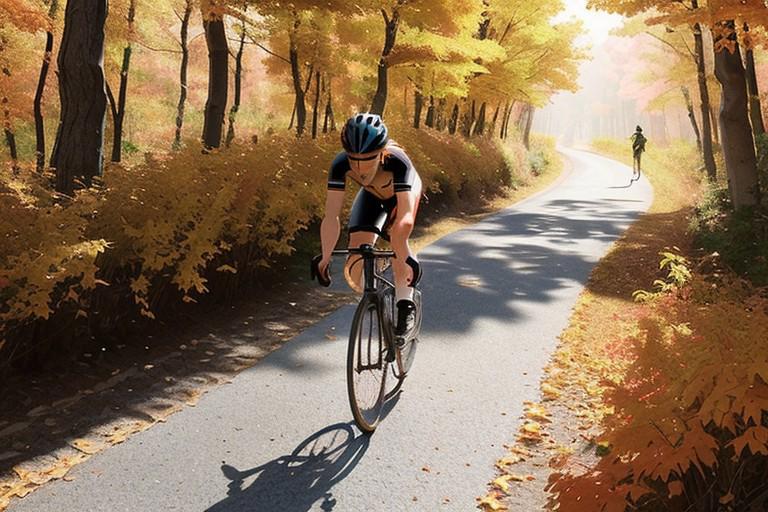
(363, 133)
(638, 129)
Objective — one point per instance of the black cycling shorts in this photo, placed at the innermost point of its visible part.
(371, 214)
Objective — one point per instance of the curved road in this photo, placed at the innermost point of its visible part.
(279, 437)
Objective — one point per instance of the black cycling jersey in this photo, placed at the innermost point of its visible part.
(396, 173)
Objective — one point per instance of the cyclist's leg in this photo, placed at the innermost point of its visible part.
(401, 268)
(366, 221)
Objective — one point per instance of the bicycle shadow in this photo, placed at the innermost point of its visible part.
(296, 482)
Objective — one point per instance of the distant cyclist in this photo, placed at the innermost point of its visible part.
(638, 147)
(385, 205)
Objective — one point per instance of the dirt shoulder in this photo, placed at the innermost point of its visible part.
(58, 418)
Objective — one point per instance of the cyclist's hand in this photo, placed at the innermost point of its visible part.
(321, 269)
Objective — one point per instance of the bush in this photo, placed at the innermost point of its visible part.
(168, 230)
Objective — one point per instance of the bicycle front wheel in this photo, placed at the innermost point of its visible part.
(367, 365)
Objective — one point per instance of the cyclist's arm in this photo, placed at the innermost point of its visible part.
(330, 228)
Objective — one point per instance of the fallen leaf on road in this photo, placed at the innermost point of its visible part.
(490, 503)
(87, 446)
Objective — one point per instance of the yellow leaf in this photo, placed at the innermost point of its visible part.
(502, 483)
(550, 392)
(490, 503)
(86, 446)
(532, 427)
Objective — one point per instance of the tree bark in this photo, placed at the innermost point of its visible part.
(39, 123)
(183, 73)
(454, 119)
(527, 128)
(691, 115)
(440, 117)
(492, 129)
(218, 80)
(390, 33)
(238, 85)
(480, 124)
(755, 109)
(301, 109)
(10, 140)
(79, 149)
(117, 132)
(418, 104)
(316, 105)
(504, 119)
(735, 132)
(329, 112)
(430, 120)
(706, 125)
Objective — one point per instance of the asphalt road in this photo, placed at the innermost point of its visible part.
(280, 436)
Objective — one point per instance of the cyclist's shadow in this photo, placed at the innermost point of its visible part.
(297, 481)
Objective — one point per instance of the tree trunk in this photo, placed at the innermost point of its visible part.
(480, 124)
(527, 128)
(316, 105)
(430, 120)
(329, 112)
(238, 85)
(183, 73)
(418, 104)
(504, 119)
(10, 140)
(495, 118)
(390, 32)
(715, 127)
(706, 125)
(736, 135)
(301, 109)
(80, 139)
(310, 74)
(755, 109)
(467, 119)
(454, 119)
(691, 115)
(117, 132)
(440, 117)
(509, 118)
(39, 124)
(218, 80)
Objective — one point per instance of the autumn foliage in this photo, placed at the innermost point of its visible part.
(165, 230)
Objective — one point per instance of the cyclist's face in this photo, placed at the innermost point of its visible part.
(365, 165)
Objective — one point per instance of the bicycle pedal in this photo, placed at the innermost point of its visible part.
(390, 356)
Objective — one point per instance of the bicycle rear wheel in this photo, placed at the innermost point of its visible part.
(367, 365)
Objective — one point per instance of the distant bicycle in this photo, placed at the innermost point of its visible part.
(374, 350)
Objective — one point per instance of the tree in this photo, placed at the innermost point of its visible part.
(218, 71)
(669, 14)
(118, 107)
(738, 144)
(184, 44)
(238, 82)
(78, 151)
(39, 124)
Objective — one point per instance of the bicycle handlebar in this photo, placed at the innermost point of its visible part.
(366, 250)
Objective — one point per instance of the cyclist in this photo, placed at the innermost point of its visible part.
(638, 147)
(385, 205)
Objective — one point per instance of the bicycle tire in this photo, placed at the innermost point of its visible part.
(367, 369)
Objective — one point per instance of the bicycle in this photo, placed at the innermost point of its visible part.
(373, 348)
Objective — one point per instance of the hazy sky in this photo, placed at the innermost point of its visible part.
(597, 24)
